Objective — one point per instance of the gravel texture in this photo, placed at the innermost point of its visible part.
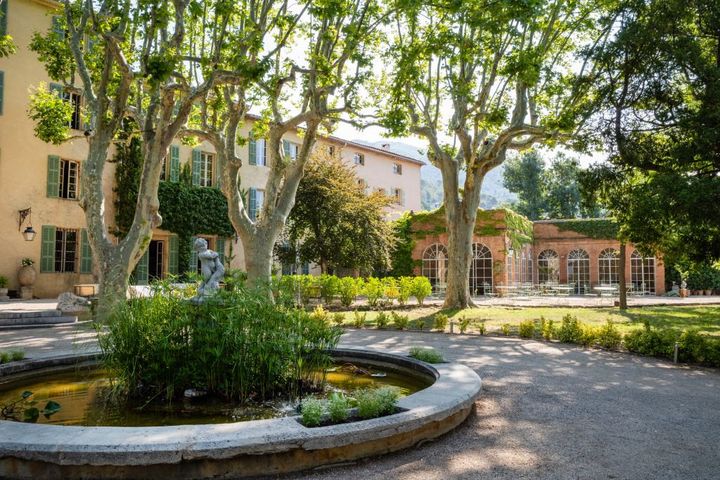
(547, 411)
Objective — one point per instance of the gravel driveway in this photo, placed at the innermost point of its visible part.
(552, 411)
(547, 411)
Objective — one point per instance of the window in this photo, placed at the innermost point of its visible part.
(397, 169)
(362, 184)
(579, 270)
(481, 270)
(435, 264)
(642, 273)
(381, 191)
(548, 267)
(68, 179)
(398, 196)
(290, 149)
(257, 152)
(65, 249)
(74, 99)
(609, 267)
(206, 169)
(331, 150)
(256, 198)
(359, 159)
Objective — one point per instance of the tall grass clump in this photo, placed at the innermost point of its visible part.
(237, 345)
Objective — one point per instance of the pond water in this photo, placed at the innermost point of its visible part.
(85, 398)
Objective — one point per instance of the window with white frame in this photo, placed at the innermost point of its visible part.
(359, 159)
(579, 270)
(206, 169)
(548, 267)
(609, 267)
(68, 179)
(435, 264)
(290, 149)
(481, 270)
(397, 169)
(642, 273)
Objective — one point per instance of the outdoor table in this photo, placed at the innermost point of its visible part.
(563, 289)
(606, 290)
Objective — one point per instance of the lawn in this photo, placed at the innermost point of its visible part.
(705, 318)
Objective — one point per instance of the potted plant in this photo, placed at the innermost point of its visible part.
(27, 274)
(3, 286)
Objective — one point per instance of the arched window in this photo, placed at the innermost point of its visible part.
(579, 270)
(548, 267)
(642, 273)
(481, 270)
(435, 264)
(609, 265)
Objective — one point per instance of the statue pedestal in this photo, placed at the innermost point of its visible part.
(26, 293)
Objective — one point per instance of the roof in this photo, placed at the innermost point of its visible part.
(363, 146)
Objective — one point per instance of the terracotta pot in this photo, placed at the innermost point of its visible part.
(27, 276)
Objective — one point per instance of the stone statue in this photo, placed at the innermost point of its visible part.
(211, 268)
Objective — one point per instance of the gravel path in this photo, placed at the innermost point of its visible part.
(547, 411)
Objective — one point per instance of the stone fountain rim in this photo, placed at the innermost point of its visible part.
(448, 399)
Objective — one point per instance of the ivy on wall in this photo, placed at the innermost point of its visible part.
(489, 223)
(597, 228)
(401, 258)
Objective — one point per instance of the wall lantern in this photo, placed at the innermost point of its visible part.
(28, 233)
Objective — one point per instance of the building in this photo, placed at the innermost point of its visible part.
(40, 184)
(510, 252)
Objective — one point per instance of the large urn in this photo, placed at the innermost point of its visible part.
(27, 276)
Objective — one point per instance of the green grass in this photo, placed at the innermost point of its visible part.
(704, 318)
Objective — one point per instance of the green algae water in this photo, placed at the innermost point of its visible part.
(86, 399)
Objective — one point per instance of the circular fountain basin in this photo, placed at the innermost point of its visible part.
(233, 450)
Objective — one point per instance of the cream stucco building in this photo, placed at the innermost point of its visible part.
(44, 178)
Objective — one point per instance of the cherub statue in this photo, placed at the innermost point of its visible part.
(211, 268)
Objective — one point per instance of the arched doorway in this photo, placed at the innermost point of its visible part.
(642, 273)
(435, 264)
(481, 270)
(578, 265)
(548, 267)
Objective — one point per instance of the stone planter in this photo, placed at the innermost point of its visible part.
(27, 276)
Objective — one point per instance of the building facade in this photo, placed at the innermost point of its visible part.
(40, 182)
(509, 253)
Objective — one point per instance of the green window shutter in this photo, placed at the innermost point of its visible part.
(196, 167)
(173, 258)
(286, 149)
(47, 249)
(252, 152)
(220, 248)
(3, 18)
(193, 267)
(174, 163)
(2, 86)
(86, 253)
(140, 275)
(53, 176)
(252, 203)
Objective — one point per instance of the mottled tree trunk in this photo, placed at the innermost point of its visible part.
(114, 274)
(258, 252)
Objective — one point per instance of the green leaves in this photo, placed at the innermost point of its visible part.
(51, 115)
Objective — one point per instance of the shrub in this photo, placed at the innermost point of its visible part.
(405, 289)
(608, 336)
(527, 329)
(391, 292)
(17, 355)
(570, 330)
(338, 318)
(359, 319)
(337, 406)
(312, 412)
(588, 335)
(329, 287)
(464, 324)
(418, 324)
(505, 328)
(440, 322)
(650, 341)
(5, 357)
(374, 290)
(348, 289)
(400, 321)
(428, 355)
(481, 327)
(3, 281)
(162, 345)
(321, 314)
(377, 402)
(382, 320)
(693, 347)
(548, 329)
(421, 289)
(307, 286)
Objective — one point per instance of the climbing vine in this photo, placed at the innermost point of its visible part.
(598, 228)
(401, 258)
